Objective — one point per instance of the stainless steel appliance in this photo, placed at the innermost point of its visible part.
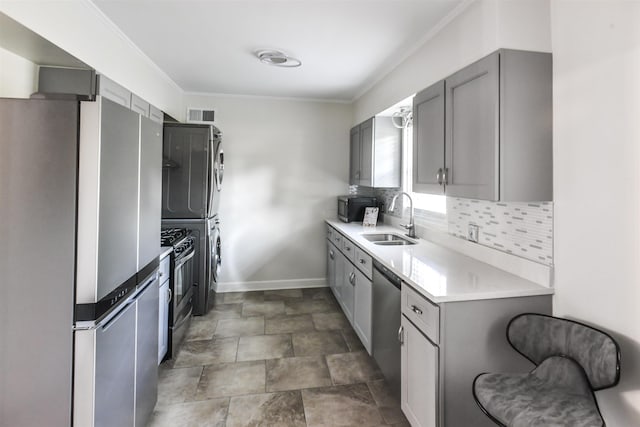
(69, 258)
(181, 284)
(351, 208)
(386, 325)
(193, 171)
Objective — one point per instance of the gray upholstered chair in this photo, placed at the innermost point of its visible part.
(572, 361)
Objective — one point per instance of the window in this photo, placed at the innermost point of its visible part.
(428, 202)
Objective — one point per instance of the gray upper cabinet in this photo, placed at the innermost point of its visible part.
(497, 130)
(472, 144)
(109, 89)
(354, 156)
(139, 105)
(376, 154)
(428, 140)
(366, 153)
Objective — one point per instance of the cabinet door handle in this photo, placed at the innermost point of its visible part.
(439, 176)
(416, 310)
(331, 254)
(401, 335)
(169, 296)
(352, 278)
(362, 261)
(445, 177)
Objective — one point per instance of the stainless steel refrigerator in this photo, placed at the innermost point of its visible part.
(193, 170)
(78, 267)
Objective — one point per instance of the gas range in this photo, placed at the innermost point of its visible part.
(171, 236)
(180, 238)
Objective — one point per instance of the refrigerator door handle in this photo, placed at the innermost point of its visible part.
(212, 176)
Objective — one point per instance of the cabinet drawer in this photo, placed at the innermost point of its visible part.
(423, 313)
(164, 268)
(349, 249)
(330, 233)
(336, 238)
(364, 262)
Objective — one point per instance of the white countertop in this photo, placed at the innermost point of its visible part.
(165, 251)
(440, 274)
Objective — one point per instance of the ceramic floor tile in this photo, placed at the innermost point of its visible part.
(323, 293)
(350, 368)
(266, 308)
(388, 405)
(240, 327)
(200, 329)
(198, 353)
(224, 311)
(208, 413)
(309, 306)
(281, 294)
(231, 379)
(289, 324)
(352, 340)
(294, 373)
(264, 347)
(330, 321)
(282, 409)
(177, 385)
(318, 343)
(237, 297)
(350, 405)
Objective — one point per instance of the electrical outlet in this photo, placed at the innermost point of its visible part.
(473, 233)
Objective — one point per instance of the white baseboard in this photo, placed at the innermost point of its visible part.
(271, 285)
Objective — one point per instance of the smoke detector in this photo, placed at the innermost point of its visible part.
(277, 58)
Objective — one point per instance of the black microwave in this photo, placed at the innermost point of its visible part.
(351, 208)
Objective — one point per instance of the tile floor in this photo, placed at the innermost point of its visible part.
(274, 358)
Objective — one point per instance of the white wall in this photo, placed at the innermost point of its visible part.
(483, 27)
(286, 161)
(596, 48)
(80, 28)
(17, 75)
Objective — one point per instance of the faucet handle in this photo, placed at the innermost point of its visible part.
(407, 226)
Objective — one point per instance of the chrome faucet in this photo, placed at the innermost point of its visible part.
(411, 227)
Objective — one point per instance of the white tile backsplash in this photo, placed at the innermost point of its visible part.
(522, 229)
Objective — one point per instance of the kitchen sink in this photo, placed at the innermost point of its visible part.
(387, 239)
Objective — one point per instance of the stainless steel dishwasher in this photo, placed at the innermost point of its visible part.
(386, 323)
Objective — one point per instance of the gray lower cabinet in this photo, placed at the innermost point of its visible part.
(348, 289)
(497, 119)
(444, 346)
(331, 267)
(349, 277)
(419, 377)
(164, 296)
(362, 308)
(375, 153)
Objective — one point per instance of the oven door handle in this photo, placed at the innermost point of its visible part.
(185, 259)
(184, 319)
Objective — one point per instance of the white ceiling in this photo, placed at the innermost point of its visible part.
(345, 45)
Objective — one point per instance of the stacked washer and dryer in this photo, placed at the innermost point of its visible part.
(192, 173)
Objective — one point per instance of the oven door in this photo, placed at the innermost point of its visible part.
(183, 279)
